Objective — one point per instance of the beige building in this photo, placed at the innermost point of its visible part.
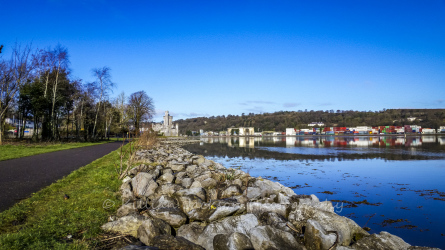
(166, 127)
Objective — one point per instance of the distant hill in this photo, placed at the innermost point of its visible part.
(279, 121)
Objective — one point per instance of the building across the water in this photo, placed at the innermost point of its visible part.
(166, 127)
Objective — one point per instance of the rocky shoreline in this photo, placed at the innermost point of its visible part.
(177, 200)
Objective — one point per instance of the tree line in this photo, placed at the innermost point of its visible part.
(279, 121)
(37, 85)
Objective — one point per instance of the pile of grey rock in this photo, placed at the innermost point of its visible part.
(177, 200)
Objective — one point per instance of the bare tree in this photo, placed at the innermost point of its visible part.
(102, 86)
(120, 103)
(61, 56)
(141, 108)
(13, 74)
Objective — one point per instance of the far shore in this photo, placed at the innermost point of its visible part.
(343, 135)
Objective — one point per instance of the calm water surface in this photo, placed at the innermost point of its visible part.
(393, 184)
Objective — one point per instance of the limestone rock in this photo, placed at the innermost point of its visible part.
(173, 216)
(127, 195)
(316, 238)
(167, 189)
(233, 241)
(187, 182)
(180, 166)
(163, 201)
(346, 228)
(150, 228)
(381, 241)
(200, 192)
(190, 231)
(209, 183)
(241, 224)
(177, 243)
(196, 184)
(230, 191)
(143, 184)
(189, 202)
(274, 220)
(191, 169)
(258, 208)
(127, 225)
(223, 211)
(126, 209)
(267, 237)
(165, 178)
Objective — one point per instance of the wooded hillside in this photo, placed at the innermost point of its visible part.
(279, 121)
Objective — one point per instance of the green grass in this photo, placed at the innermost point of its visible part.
(44, 220)
(8, 152)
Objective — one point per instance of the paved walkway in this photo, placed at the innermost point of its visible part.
(21, 177)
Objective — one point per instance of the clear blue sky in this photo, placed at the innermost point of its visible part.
(204, 58)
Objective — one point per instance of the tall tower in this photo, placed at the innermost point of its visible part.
(166, 119)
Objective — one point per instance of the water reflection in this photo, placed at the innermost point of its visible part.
(326, 147)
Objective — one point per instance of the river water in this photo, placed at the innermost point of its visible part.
(392, 183)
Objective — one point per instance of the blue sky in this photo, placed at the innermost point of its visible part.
(205, 58)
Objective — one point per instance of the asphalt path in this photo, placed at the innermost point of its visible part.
(21, 177)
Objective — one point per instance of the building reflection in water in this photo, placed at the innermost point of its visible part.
(327, 141)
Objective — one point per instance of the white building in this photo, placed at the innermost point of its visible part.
(290, 131)
(312, 124)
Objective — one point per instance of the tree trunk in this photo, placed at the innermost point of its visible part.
(95, 120)
(53, 118)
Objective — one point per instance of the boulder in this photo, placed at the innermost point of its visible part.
(189, 202)
(173, 216)
(200, 192)
(165, 178)
(164, 201)
(187, 182)
(179, 166)
(316, 237)
(274, 220)
(346, 228)
(196, 184)
(201, 177)
(191, 231)
(191, 168)
(135, 247)
(167, 189)
(177, 243)
(223, 211)
(143, 184)
(233, 241)
(268, 187)
(209, 183)
(126, 209)
(267, 237)
(127, 195)
(258, 208)
(381, 241)
(230, 191)
(150, 228)
(127, 225)
(253, 193)
(241, 224)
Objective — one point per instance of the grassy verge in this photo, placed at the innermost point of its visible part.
(46, 219)
(8, 152)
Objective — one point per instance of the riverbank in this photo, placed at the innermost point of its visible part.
(180, 200)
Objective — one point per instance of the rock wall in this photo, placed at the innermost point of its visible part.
(177, 200)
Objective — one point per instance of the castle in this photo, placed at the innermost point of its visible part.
(166, 127)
